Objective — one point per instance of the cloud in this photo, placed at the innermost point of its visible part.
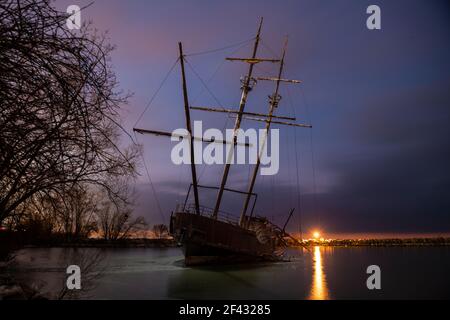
(398, 176)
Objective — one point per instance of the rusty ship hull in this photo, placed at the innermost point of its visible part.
(208, 241)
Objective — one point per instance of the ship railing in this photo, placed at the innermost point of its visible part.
(208, 212)
(254, 195)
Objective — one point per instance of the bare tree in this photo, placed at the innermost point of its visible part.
(59, 120)
(114, 215)
(116, 223)
(160, 231)
(77, 218)
(71, 215)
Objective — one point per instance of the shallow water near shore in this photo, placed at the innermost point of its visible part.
(317, 273)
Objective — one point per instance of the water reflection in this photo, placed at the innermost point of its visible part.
(319, 289)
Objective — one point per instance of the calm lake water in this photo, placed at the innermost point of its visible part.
(320, 273)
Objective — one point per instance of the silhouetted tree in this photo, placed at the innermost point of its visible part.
(59, 111)
(114, 215)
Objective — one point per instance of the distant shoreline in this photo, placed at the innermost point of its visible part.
(438, 241)
(170, 243)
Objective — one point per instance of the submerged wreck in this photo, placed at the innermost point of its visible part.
(209, 235)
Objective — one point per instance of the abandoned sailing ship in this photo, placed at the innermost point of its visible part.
(208, 235)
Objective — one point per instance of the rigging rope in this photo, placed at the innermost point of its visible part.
(180, 176)
(158, 204)
(219, 49)
(220, 65)
(213, 96)
(156, 92)
(291, 196)
(201, 92)
(275, 55)
(203, 83)
(297, 169)
(308, 115)
(149, 104)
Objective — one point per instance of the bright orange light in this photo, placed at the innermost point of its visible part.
(316, 234)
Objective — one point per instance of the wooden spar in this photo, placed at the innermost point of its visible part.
(277, 79)
(273, 105)
(223, 110)
(253, 60)
(277, 122)
(245, 90)
(173, 134)
(189, 129)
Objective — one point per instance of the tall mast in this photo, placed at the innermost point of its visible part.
(245, 90)
(189, 129)
(274, 99)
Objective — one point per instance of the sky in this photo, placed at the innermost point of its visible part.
(377, 158)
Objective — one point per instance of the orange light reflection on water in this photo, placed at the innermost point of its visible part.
(319, 289)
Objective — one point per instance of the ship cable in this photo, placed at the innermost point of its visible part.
(205, 87)
(220, 65)
(272, 52)
(156, 92)
(259, 66)
(203, 83)
(149, 104)
(290, 177)
(152, 186)
(297, 169)
(308, 115)
(212, 95)
(220, 49)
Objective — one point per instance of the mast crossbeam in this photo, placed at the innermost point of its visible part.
(277, 122)
(278, 80)
(223, 110)
(182, 136)
(253, 60)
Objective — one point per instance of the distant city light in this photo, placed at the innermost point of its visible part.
(316, 234)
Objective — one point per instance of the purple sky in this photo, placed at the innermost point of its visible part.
(379, 102)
